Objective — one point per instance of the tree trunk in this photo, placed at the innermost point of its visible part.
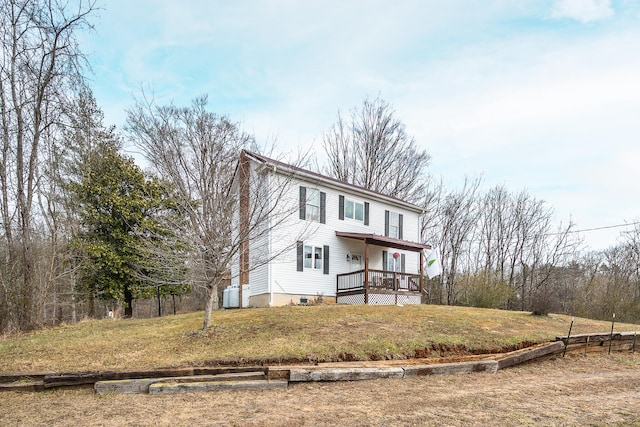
(128, 303)
(212, 300)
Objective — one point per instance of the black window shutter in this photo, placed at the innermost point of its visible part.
(303, 202)
(386, 223)
(402, 261)
(340, 207)
(366, 213)
(400, 226)
(300, 256)
(326, 259)
(323, 208)
(385, 255)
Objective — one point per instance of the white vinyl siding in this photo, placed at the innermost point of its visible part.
(281, 275)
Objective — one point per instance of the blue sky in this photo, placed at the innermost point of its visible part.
(542, 95)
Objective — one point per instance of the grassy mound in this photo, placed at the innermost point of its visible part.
(284, 335)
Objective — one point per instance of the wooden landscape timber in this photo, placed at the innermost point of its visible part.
(601, 342)
(599, 337)
(182, 380)
(208, 386)
(51, 380)
(530, 353)
(343, 374)
(143, 385)
(451, 368)
(75, 379)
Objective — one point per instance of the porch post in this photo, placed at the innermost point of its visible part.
(366, 272)
(421, 271)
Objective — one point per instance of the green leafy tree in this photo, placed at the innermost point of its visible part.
(128, 245)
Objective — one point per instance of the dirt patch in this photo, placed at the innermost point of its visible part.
(443, 350)
(436, 353)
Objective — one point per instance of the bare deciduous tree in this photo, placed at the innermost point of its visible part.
(450, 227)
(40, 60)
(498, 248)
(197, 151)
(374, 151)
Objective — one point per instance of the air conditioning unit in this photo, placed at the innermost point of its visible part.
(231, 297)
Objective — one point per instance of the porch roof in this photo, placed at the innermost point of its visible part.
(375, 239)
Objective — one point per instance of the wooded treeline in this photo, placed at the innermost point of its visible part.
(499, 248)
(85, 230)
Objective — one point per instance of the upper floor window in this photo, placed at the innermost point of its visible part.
(393, 224)
(352, 209)
(312, 204)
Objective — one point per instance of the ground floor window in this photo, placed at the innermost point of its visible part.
(313, 257)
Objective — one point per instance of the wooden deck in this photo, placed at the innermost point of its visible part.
(378, 287)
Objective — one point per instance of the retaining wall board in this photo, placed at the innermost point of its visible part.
(22, 376)
(343, 374)
(67, 379)
(217, 370)
(178, 388)
(71, 379)
(524, 355)
(277, 373)
(141, 385)
(600, 337)
(451, 368)
(29, 386)
(134, 386)
(601, 347)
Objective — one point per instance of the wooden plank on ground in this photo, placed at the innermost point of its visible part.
(23, 376)
(343, 374)
(22, 386)
(141, 385)
(451, 368)
(177, 388)
(600, 347)
(524, 355)
(599, 337)
(70, 379)
(218, 370)
(133, 386)
(278, 373)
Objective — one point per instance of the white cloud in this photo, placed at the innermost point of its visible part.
(584, 11)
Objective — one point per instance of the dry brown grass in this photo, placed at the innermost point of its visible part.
(319, 333)
(575, 391)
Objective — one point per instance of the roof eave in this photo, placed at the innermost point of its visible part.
(333, 183)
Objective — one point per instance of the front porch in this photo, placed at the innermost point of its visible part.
(378, 287)
(381, 287)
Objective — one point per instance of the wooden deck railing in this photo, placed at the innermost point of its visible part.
(378, 280)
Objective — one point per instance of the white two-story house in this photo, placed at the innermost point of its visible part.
(303, 235)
